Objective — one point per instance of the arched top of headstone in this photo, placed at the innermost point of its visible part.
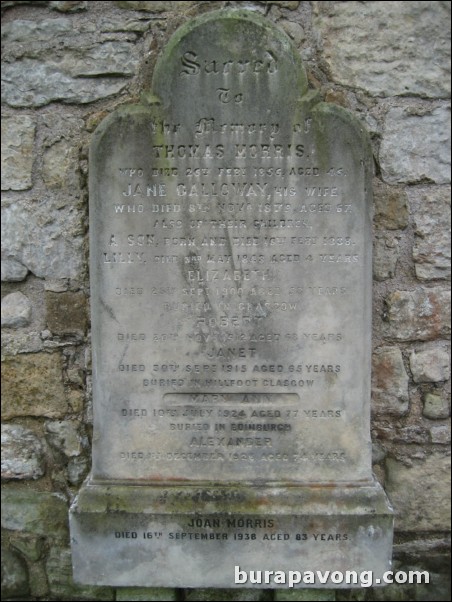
(233, 56)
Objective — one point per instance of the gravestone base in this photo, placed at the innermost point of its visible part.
(195, 535)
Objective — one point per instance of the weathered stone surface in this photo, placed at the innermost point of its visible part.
(382, 56)
(80, 76)
(64, 435)
(68, 7)
(14, 575)
(430, 366)
(420, 493)
(416, 146)
(154, 6)
(36, 512)
(440, 434)
(432, 244)
(22, 453)
(61, 583)
(33, 386)
(389, 382)
(386, 255)
(24, 30)
(295, 31)
(21, 341)
(31, 546)
(391, 206)
(13, 271)
(16, 310)
(58, 163)
(77, 469)
(66, 313)
(146, 594)
(290, 4)
(38, 580)
(226, 595)
(418, 315)
(435, 407)
(45, 236)
(18, 134)
(314, 595)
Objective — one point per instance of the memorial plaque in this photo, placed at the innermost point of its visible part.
(230, 243)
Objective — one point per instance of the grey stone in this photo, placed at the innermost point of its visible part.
(389, 382)
(33, 386)
(146, 594)
(77, 469)
(64, 435)
(422, 314)
(430, 366)
(16, 310)
(295, 31)
(420, 493)
(49, 82)
(18, 134)
(226, 595)
(24, 30)
(59, 163)
(440, 434)
(61, 583)
(22, 453)
(155, 6)
(68, 7)
(231, 317)
(14, 575)
(391, 206)
(307, 594)
(431, 250)
(30, 546)
(45, 236)
(435, 407)
(382, 56)
(416, 146)
(34, 512)
(386, 255)
(13, 271)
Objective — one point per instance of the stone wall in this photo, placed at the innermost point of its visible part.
(66, 65)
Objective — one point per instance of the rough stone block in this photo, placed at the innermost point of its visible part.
(30, 546)
(18, 134)
(435, 407)
(145, 594)
(66, 313)
(391, 206)
(306, 594)
(432, 244)
(13, 271)
(68, 7)
(389, 382)
(225, 595)
(420, 493)
(14, 576)
(386, 255)
(59, 164)
(61, 584)
(153, 6)
(33, 386)
(422, 314)
(64, 436)
(440, 434)
(16, 310)
(36, 512)
(22, 453)
(416, 146)
(46, 237)
(430, 366)
(382, 55)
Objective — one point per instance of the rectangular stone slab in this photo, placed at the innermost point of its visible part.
(194, 537)
(231, 272)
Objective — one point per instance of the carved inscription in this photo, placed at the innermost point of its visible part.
(230, 261)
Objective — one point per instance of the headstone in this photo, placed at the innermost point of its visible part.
(230, 237)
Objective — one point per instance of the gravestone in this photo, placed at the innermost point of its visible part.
(230, 243)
